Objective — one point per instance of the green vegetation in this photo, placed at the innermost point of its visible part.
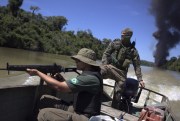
(147, 63)
(30, 31)
(172, 64)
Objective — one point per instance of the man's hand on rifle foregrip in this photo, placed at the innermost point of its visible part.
(32, 72)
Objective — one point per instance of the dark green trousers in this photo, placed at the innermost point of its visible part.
(55, 109)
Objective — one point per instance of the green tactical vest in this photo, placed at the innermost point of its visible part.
(122, 57)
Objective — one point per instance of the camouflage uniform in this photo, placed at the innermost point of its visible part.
(116, 60)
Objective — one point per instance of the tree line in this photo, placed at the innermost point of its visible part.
(172, 64)
(30, 31)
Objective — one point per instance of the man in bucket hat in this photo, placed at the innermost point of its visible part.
(87, 88)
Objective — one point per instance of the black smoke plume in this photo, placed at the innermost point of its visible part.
(167, 17)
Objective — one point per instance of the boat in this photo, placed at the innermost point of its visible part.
(142, 105)
(18, 103)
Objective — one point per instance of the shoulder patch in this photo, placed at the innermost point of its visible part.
(74, 80)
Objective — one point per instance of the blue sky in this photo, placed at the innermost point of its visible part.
(106, 19)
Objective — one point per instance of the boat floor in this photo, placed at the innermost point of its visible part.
(106, 109)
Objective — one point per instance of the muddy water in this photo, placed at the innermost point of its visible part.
(163, 81)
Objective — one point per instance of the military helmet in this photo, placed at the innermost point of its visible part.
(127, 32)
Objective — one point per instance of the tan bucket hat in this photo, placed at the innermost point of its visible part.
(87, 56)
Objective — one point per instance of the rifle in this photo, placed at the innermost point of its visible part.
(51, 69)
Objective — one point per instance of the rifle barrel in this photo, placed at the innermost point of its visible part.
(3, 69)
(43, 68)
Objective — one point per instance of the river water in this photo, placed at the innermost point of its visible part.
(163, 81)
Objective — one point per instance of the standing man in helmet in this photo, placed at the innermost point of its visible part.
(116, 60)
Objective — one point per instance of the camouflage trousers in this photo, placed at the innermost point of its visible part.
(55, 109)
(111, 72)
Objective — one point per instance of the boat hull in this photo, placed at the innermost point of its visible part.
(17, 103)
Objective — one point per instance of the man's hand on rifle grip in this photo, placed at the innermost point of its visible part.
(58, 77)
